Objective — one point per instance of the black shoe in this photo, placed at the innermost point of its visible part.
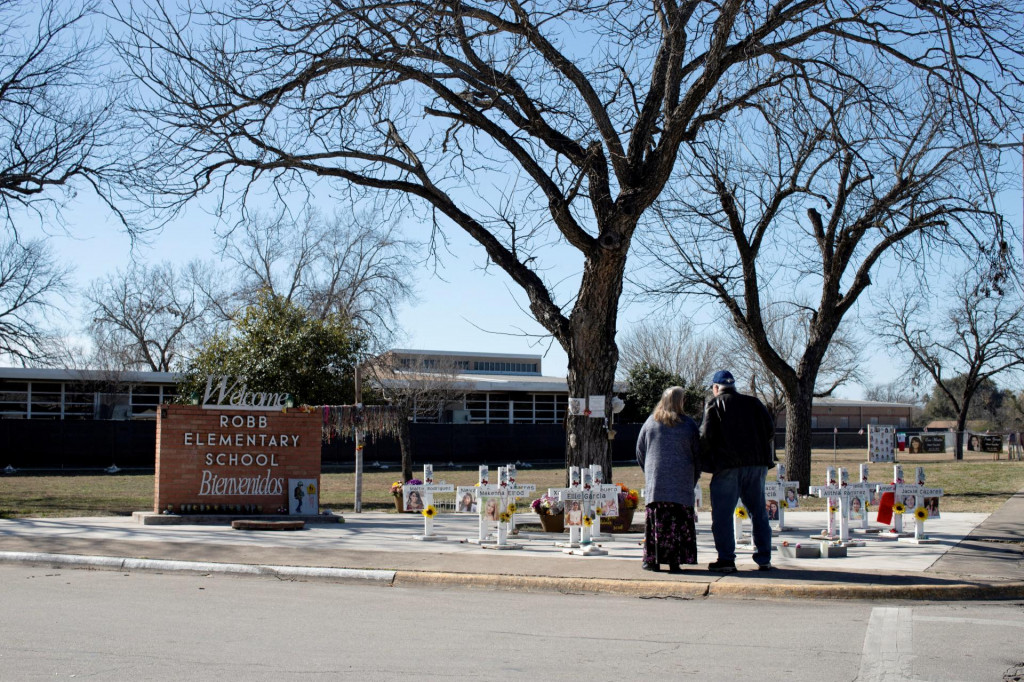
(764, 567)
(722, 567)
(647, 566)
(674, 568)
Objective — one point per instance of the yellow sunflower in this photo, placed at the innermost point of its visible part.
(429, 512)
(785, 505)
(599, 511)
(741, 512)
(587, 521)
(504, 517)
(832, 509)
(921, 514)
(898, 508)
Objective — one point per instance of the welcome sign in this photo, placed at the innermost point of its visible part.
(225, 391)
(230, 458)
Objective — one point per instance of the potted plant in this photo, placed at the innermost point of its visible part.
(396, 492)
(551, 512)
(629, 499)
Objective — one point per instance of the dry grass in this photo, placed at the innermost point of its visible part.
(978, 484)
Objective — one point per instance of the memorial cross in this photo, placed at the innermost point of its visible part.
(426, 492)
(776, 490)
(572, 499)
(837, 490)
(864, 489)
(902, 491)
(515, 491)
(606, 501)
(920, 511)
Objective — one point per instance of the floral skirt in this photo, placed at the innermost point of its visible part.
(670, 535)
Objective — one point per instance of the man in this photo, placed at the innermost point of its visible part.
(737, 447)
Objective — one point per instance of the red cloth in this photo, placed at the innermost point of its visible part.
(885, 508)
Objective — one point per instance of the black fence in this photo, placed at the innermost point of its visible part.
(492, 444)
(77, 444)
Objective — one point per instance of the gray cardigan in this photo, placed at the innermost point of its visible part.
(667, 454)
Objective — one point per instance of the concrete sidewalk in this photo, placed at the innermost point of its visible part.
(975, 557)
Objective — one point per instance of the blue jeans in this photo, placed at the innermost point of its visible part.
(747, 485)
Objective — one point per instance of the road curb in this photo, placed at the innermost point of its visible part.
(951, 592)
(648, 589)
(634, 588)
(170, 566)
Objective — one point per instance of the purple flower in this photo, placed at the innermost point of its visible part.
(414, 481)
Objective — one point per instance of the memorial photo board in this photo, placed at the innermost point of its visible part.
(466, 499)
(490, 506)
(573, 513)
(980, 442)
(304, 496)
(881, 443)
(412, 497)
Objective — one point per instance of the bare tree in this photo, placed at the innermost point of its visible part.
(31, 285)
(56, 124)
(896, 391)
(673, 345)
(787, 328)
(959, 346)
(148, 317)
(422, 391)
(885, 179)
(350, 266)
(496, 119)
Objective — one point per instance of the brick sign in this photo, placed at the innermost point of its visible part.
(233, 457)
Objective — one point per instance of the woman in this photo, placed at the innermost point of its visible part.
(468, 504)
(415, 502)
(491, 509)
(574, 515)
(772, 506)
(667, 451)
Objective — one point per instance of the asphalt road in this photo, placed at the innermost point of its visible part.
(105, 625)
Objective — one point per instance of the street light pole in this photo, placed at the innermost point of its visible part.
(357, 507)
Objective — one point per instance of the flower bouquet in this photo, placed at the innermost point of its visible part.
(629, 500)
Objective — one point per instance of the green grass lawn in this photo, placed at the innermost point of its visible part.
(978, 484)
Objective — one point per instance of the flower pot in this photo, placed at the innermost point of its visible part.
(618, 524)
(399, 504)
(552, 523)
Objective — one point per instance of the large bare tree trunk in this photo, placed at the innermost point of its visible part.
(593, 357)
(961, 429)
(798, 437)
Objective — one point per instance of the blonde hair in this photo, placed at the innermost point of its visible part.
(670, 407)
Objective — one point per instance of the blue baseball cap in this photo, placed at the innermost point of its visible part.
(723, 378)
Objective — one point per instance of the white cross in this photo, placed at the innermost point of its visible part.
(426, 492)
(837, 489)
(901, 491)
(776, 490)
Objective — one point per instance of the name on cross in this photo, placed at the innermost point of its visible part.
(433, 487)
(836, 491)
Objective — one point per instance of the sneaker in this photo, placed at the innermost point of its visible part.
(650, 566)
(722, 567)
(764, 567)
